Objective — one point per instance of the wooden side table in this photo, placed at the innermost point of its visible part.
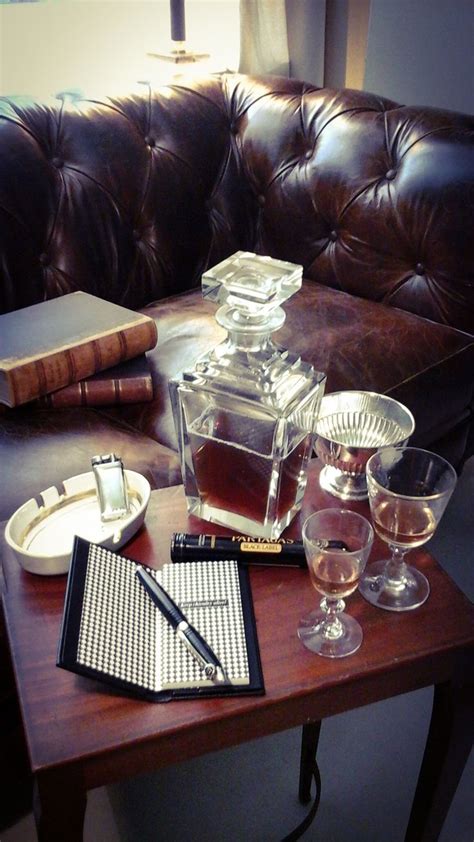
(82, 734)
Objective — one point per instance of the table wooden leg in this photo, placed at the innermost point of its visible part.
(309, 747)
(59, 806)
(448, 745)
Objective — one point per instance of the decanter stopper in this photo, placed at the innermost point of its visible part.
(251, 289)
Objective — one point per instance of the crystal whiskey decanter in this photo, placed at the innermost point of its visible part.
(246, 414)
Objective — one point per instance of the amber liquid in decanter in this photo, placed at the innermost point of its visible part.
(244, 484)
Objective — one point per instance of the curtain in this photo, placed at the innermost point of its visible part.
(286, 37)
(263, 38)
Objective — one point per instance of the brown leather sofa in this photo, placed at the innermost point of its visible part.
(131, 198)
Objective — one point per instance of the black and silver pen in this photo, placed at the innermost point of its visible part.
(195, 643)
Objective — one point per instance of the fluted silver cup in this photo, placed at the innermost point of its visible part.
(353, 425)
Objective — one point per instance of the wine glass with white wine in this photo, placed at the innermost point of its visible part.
(409, 490)
(337, 544)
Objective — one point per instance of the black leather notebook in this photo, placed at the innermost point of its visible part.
(113, 632)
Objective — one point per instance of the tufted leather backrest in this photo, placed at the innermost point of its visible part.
(119, 197)
(132, 197)
(371, 197)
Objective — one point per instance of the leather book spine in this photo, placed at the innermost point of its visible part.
(38, 377)
(104, 392)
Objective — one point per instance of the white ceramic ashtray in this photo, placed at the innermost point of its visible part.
(41, 532)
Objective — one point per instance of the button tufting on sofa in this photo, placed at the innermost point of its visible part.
(140, 229)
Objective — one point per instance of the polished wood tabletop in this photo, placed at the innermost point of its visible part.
(82, 734)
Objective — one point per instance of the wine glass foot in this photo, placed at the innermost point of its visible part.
(411, 592)
(344, 639)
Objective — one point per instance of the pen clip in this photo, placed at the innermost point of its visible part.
(212, 669)
(208, 668)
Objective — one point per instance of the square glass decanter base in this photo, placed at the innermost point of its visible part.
(240, 524)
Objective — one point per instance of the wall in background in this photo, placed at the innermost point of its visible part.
(346, 43)
(422, 52)
(328, 41)
(357, 29)
(413, 51)
(305, 21)
(101, 45)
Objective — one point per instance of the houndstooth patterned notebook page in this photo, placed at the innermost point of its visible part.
(208, 593)
(117, 632)
(123, 635)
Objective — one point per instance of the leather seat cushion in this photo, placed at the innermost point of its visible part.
(360, 344)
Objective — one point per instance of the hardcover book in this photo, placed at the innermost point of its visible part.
(112, 631)
(49, 345)
(128, 382)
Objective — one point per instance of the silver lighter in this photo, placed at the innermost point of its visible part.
(111, 486)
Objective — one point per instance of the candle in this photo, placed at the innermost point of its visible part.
(178, 29)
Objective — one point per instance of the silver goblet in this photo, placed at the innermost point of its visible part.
(351, 427)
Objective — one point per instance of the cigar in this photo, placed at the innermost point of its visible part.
(281, 552)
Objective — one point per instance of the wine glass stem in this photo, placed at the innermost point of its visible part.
(395, 571)
(332, 626)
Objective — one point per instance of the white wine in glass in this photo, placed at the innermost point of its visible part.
(404, 523)
(337, 544)
(409, 489)
(334, 572)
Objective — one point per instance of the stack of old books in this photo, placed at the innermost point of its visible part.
(75, 350)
